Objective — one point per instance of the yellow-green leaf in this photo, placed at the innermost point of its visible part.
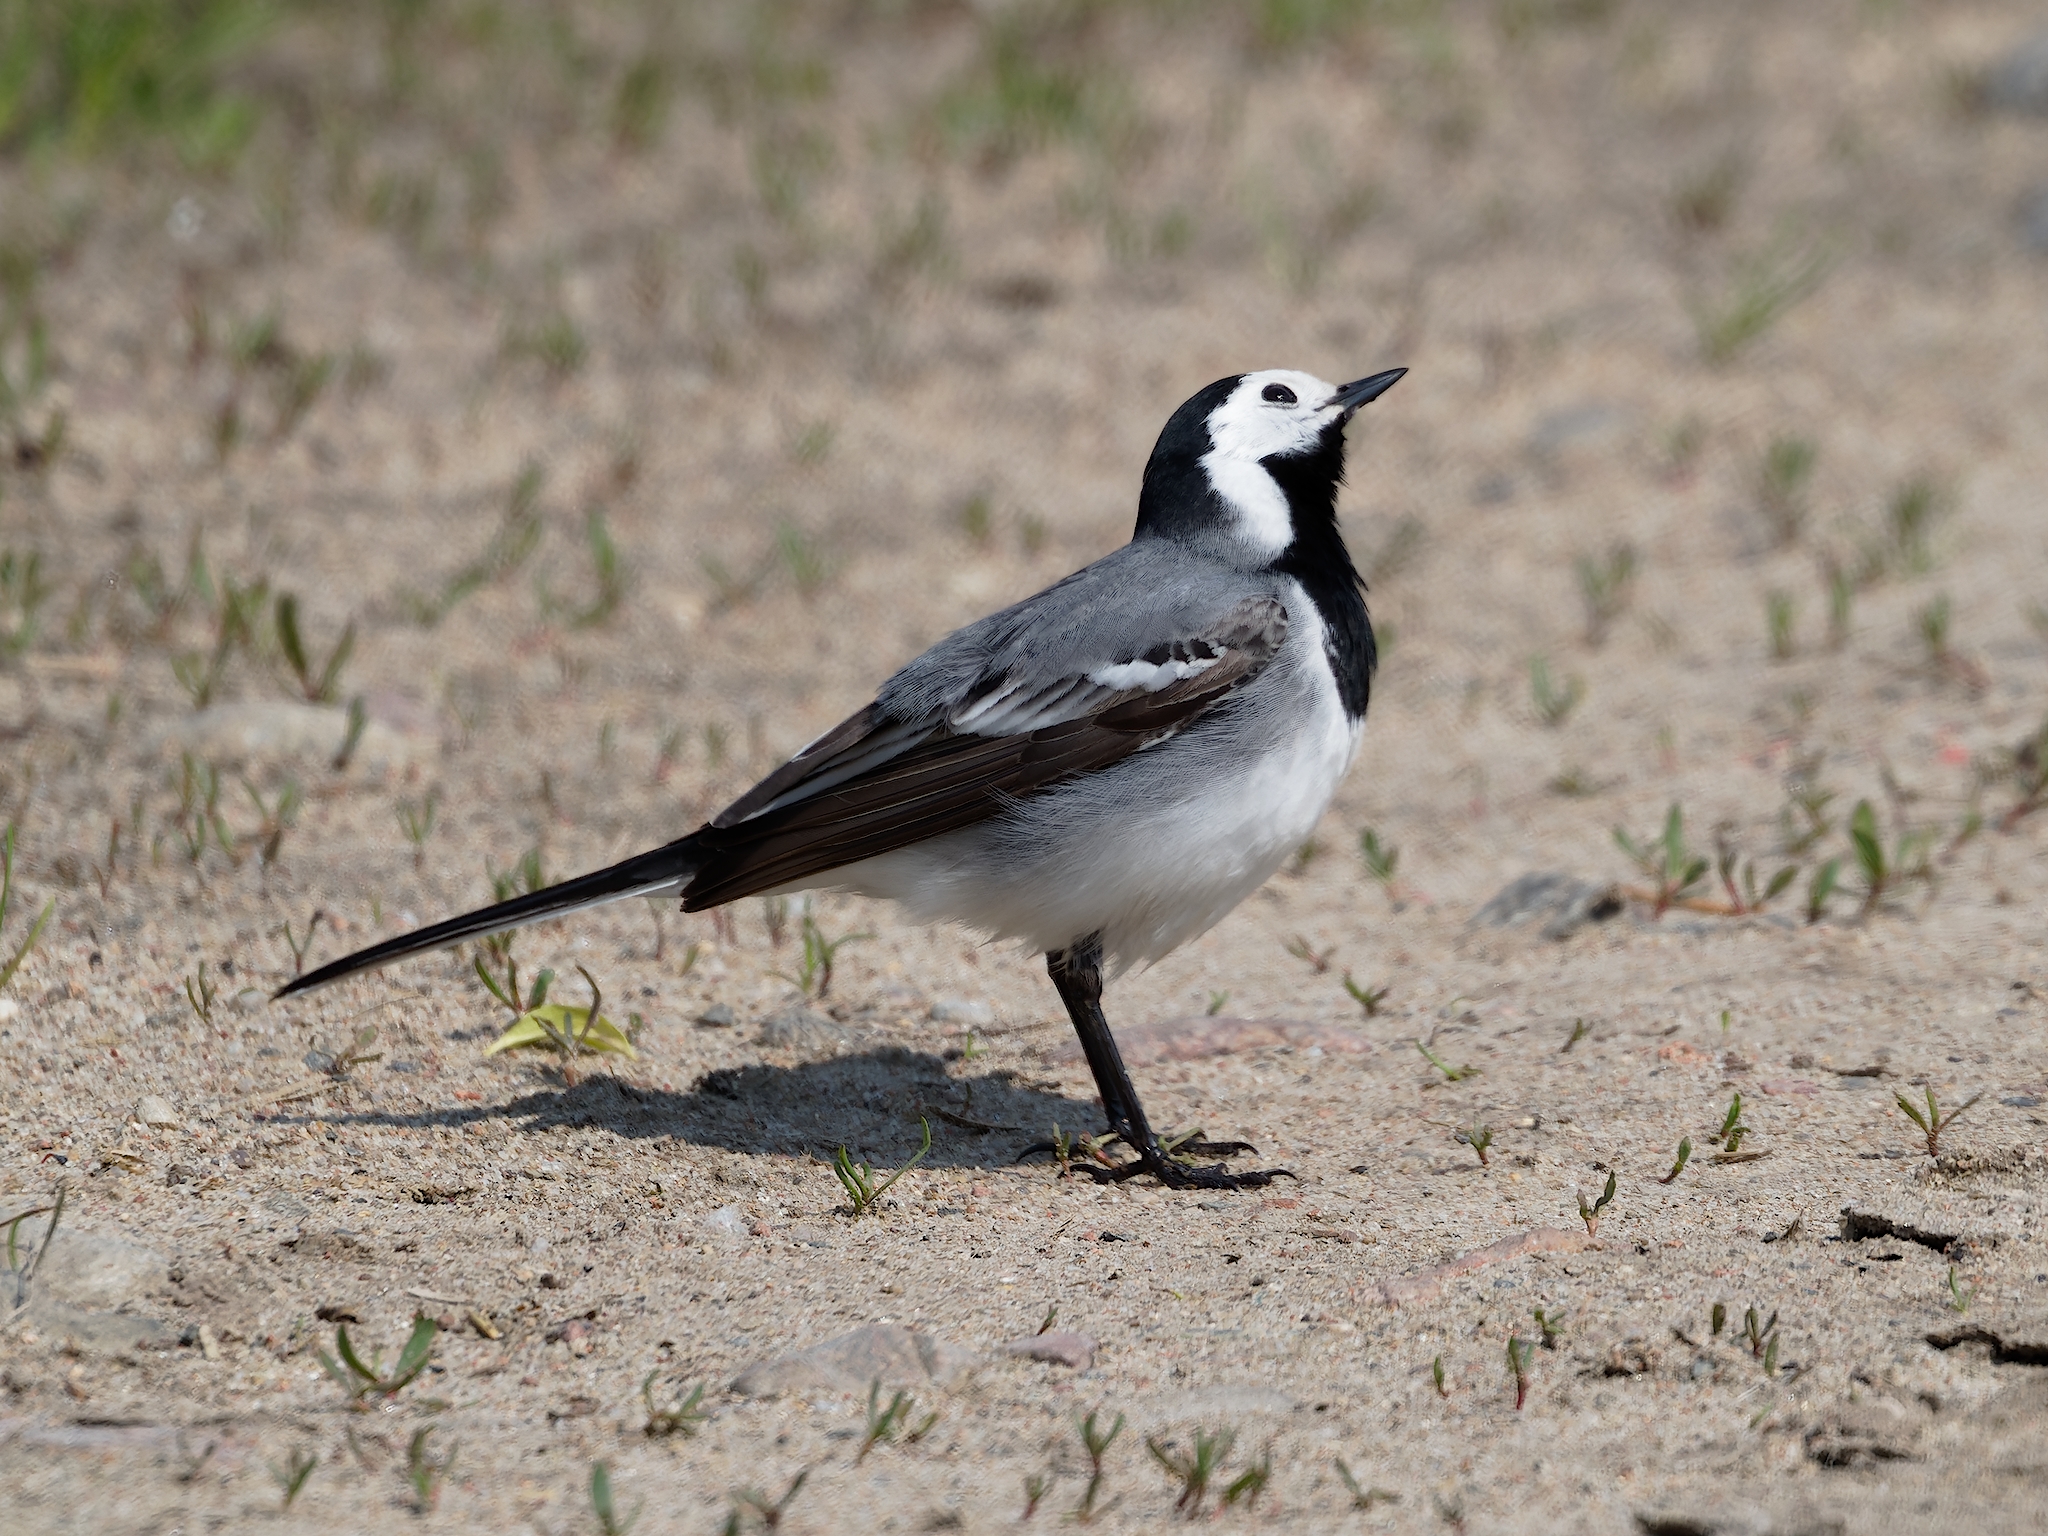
(531, 1031)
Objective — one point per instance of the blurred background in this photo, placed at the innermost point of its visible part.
(438, 430)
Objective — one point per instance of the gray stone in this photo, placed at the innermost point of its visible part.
(2019, 81)
(1562, 904)
(718, 1016)
(95, 1333)
(797, 1028)
(881, 1352)
(278, 730)
(153, 1110)
(86, 1270)
(2034, 220)
(726, 1221)
(1058, 1347)
(963, 1010)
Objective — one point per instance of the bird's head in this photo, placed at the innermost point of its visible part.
(1253, 462)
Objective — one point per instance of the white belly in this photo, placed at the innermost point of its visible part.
(1158, 848)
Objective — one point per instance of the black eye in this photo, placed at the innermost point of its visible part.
(1278, 394)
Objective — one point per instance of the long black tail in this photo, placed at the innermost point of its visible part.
(653, 873)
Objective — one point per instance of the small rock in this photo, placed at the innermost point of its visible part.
(1075, 1350)
(2019, 81)
(963, 1010)
(1562, 903)
(884, 1352)
(10, 1010)
(86, 1270)
(2034, 220)
(178, 1174)
(726, 1221)
(718, 1016)
(152, 1110)
(797, 1028)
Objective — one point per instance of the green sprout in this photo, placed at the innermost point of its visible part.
(562, 1029)
(601, 1505)
(813, 976)
(683, 1417)
(1678, 1163)
(1590, 1214)
(1380, 858)
(1934, 1120)
(858, 1179)
(1368, 998)
(1732, 1129)
(363, 1381)
(1363, 1496)
(291, 1477)
(1096, 1441)
(1672, 867)
(1553, 704)
(1194, 1469)
(320, 685)
(35, 929)
(1478, 1138)
(1518, 1367)
(426, 1473)
(1451, 1074)
(886, 1424)
(1959, 1299)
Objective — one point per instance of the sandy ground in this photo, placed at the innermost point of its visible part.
(850, 368)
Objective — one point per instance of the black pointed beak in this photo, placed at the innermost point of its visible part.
(1350, 397)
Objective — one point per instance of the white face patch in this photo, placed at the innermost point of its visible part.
(1249, 427)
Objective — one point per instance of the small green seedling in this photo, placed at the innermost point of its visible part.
(775, 918)
(355, 1054)
(1771, 1356)
(1590, 1214)
(1580, 1029)
(26, 1272)
(1036, 1486)
(1436, 1374)
(1934, 1121)
(1368, 998)
(1246, 1487)
(887, 1424)
(200, 993)
(1553, 704)
(1908, 859)
(1548, 1323)
(1820, 888)
(1216, 1002)
(1451, 1074)
(601, 1504)
(416, 821)
(814, 976)
(1302, 950)
(1478, 1138)
(1518, 1367)
(858, 1179)
(768, 1511)
(363, 1382)
(35, 929)
(1363, 1496)
(1673, 868)
(1732, 1129)
(1959, 1299)
(1718, 1319)
(1678, 1163)
(300, 944)
(321, 685)
(1758, 1332)
(1195, 1469)
(1605, 587)
(291, 1477)
(1745, 898)
(608, 572)
(1096, 1441)
(426, 1473)
(274, 818)
(1380, 858)
(566, 1031)
(683, 1417)
(1781, 487)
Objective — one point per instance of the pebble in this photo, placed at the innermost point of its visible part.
(87, 1270)
(2019, 81)
(726, 1221)
(718, 1016)
(1562, 903)
(797, 1028)
(963, 1010)
(154, 1110)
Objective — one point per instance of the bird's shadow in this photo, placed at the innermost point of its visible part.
(867, 1101)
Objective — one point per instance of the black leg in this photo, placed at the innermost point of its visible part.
(1077, 975)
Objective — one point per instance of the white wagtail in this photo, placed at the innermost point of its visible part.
(1101, 771)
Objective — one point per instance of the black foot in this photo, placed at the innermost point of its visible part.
(1178, 1175)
